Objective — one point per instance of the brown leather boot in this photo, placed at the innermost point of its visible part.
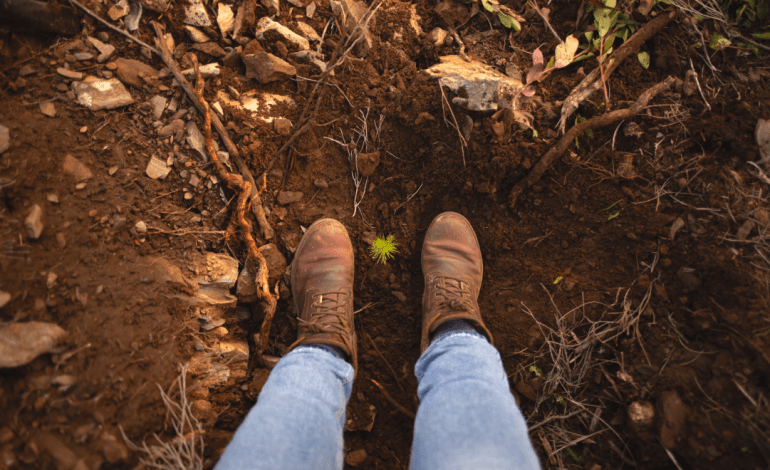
(322, 286)
(452, 266)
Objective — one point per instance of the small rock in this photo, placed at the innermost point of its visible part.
(201, 409)
(119, 10)
(175, 126)
(195, 139)
(211, 48)
(157, 168)
(158, 104)
(690, 85)
(5, 297)
(282, 126)
(320, 183)
(641, 415)
(196, 35)
(674, 417)
(273, 6)
(50, 279)
(131, 72)
(367, 163)
(399, 295)
(225, 18)
(22, 342)
(61, 240)
(745, 229)
(82, 56)
(689, 278)
(244, 19)
(70, 73)
(114, 451)
(423, 118)
(5, 139)
(48, 109)
(269, 30)
(140, 227)
(34, 222)
(762, 134)
(196, 15)
(26, 70)
(97, 94)
(311, 58)
(105, 50)
(62, 456)
(289, 197)
(267, 68)
(348, 14)
(438, 36)
(308, 32)
(762, 215)
(356, 457)
(675, 227)
(485, 89)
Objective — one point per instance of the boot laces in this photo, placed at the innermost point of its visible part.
(453, 295)
(329, 314)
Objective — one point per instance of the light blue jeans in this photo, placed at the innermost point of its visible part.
(467, 418)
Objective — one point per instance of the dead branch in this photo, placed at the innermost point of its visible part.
(393, 372)
(242, 186)
(594, 123)
(114, 28)
(593, 82)
(392, 401)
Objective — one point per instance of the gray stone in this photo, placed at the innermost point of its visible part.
(26, 70)
(196, 15)
(22, 342)
(171, 129)
(225, 18)
(307, 31)
(134, 15)
(268, 29)
(289, 197)
(73, 167)
(349, 14)
(34, 222)
(158, 104)
(97, 94)
(105, 50)
(140, 227)
(312, 58)
(67, 73)
(641, 415)
(195, 139)
(762, 134)
(5, 139)
(196, 35)
(484, 88)
(267, 68)
(157, 168)
(81, 56)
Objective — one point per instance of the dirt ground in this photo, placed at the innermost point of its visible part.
(631, 279)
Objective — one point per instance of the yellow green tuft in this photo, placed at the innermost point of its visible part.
(382, 249)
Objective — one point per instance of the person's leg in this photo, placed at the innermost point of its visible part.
(298, 420)
(467, 417)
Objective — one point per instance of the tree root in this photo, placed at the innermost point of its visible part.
(595, 80)
(247, 190)
(594, 123)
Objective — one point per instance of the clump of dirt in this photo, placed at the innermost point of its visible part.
(627, 291)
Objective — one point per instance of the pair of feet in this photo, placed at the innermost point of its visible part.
(322, 282)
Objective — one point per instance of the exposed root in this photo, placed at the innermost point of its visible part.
(185, 450)
(595, 123)
(392, 401)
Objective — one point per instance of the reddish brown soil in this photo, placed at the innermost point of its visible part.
(705, 341)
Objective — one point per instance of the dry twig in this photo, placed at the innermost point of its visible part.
(594, 123)
(392, 401)
(118, 30)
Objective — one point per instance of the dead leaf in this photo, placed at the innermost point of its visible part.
(645, 6)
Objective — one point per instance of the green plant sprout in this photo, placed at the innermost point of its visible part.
(382, 249)
(558, 279)
(560, 400)
(536, 370)
(575, 456)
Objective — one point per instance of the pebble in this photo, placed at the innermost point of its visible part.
(762, 135)
(225, 18)
(400, 296)
(119, 10)
(356, 457)
(674, 416)
(194, 180)
(689, 278)
(267, 68)
(158, 104)
(5, 297)
(196, 35)
(282, 126)
(48, 109)
(84, 129)
(81, 56)
(70, 73)
(201, 409)
(745, 230)
(22, 342)
(171, 129)
(105, 50)
(675, 227)
(50, 279)
(5, 139)
(26, 70)
(196, 15)
(690, 85)
(207, 71)
(61, 240)
(289, 197)
(367, 163)
(34, 222)
(320, 183)
(268, 29)
(641, 415)
(140, 227)
(308, 31)
(113, 169)
(114, 450)
(157, 168)
(97, 94)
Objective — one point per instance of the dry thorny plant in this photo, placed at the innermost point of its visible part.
(185, 449)
(363, 139)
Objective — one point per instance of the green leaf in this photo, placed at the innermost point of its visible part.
(509, 22)
(610, 3)
(565, 52)
(590, 133)
(609, 41)
(487, 6)
(718, 41)
(765, 36)
(551, 63)
(583, 57)
(644, 59)
(603, 21)
(589, 35)
(558, 279)
(612, 216)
